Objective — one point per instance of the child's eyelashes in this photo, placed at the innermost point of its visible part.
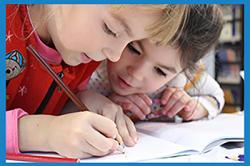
(132, 49)
(108, 30)
(160, 72)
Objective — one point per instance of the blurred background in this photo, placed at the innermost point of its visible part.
(227, 60)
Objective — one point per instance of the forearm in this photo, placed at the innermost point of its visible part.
(33, 132)
(209, 88)
(209, 104)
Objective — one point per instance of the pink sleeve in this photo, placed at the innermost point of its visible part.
(12, 117)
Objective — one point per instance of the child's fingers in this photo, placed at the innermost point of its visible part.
(131, 129)
(141, 104)
(123, 130)
(120, 100)
(137, 112)
(135, 105)
(127, 104)
(99, 141)
(189, 109)
(177, 107)
(88, 148)
(109, 111)
(104, 125)
(172, 100)
(147, 99)
(168, 92)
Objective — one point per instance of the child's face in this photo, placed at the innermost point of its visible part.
(84, 32)
(143, 68)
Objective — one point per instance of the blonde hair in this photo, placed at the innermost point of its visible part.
(163, 31)
(24, 36)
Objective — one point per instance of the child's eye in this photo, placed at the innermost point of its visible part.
(108, 30)
(160, 72)
(132, 49)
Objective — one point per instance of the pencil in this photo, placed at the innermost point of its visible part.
(236, 158)
(58, 80)
(31, 158)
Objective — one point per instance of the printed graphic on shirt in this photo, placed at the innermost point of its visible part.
(15, 64)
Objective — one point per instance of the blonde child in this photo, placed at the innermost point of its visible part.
(72, 39)
(156, 70)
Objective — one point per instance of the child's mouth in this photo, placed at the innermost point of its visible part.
(123, 84)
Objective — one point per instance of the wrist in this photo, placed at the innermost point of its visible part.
(34, 132)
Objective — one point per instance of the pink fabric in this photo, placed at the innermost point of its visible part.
(50, 55)
(12, 117)
(53, 57)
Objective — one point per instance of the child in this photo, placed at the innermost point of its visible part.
(71, 38)
(157, 70)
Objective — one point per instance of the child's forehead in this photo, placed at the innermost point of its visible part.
(151, 48)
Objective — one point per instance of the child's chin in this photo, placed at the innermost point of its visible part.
(121, 92)
(125, 93)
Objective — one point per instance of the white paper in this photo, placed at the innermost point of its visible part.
(197, 134)
(148, 147)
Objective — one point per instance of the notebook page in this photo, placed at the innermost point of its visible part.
(147, 148)
(197, 134)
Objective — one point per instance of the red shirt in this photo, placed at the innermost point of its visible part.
(29, 86)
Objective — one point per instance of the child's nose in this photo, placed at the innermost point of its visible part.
(113, 53)
(109, 54)
(136, 72)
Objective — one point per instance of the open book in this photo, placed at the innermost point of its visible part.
(200, 136)
(159, 140)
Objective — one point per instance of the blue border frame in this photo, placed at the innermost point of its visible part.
(246, 57)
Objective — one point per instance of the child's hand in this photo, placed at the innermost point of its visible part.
(137, 104)
(77, 135)
(193, 111)
(82, 134)
(104, 106)
(177, 101)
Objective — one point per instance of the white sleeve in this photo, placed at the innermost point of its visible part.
(208, 87)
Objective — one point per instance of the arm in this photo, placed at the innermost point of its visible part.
(12, 117)
(47, 133)
(208, 92)
(205, 91)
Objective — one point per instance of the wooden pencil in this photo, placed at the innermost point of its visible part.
(58, 80)
(70, 94)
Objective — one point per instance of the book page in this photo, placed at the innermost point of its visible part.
(197, 134)
(147, 148)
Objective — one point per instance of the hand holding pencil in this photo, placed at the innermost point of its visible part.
(81, 134)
